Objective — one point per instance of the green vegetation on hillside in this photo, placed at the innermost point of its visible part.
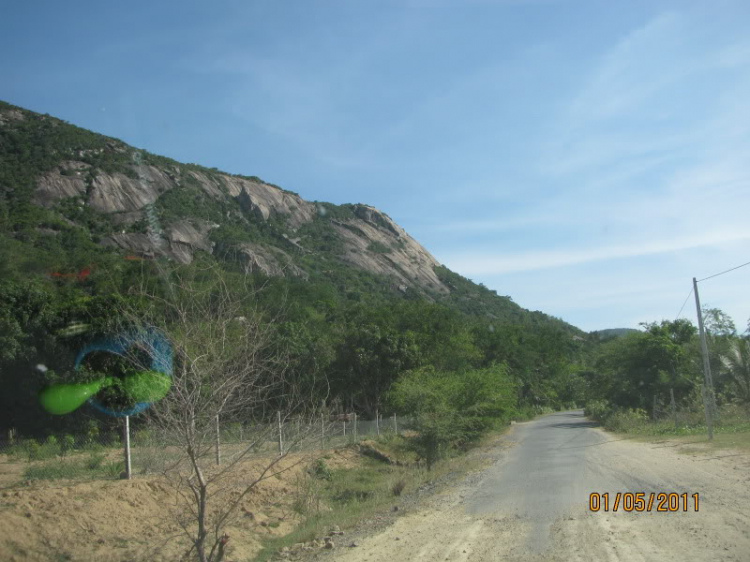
(351, 336)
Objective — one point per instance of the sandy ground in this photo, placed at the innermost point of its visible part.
(531, 504)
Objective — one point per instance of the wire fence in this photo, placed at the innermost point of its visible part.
(114, 454)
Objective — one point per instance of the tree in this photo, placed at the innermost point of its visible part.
(737, 362)
(369, 360)
(225, 368)
(718, 323)
(452, 408)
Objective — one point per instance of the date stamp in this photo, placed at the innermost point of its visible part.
(663, 502)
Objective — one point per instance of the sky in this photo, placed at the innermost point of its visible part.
(586, 158)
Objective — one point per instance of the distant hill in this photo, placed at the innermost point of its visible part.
(60, 183)
(614, 333)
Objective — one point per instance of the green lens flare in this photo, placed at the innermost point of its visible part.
(147, 386)
(144, 386)
(64, 398)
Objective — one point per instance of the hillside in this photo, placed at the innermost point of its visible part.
(356, 302)
(59, 180)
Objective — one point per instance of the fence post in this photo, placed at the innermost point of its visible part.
(322, 429)
(344, 425)
(355, 426)
(218, 441)
(126, 435)
(395, 424)
(674, 409)
(281, 438)
(377, 422)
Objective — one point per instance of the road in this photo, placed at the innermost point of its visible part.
(532, 504)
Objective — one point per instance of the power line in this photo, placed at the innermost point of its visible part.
(683, 305)
(723, 272)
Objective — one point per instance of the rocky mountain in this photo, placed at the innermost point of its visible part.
(55, 176)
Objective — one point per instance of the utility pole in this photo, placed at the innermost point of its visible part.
(708, 387)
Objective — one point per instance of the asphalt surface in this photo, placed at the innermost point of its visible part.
(550, 472)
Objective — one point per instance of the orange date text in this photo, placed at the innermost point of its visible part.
(666, 502)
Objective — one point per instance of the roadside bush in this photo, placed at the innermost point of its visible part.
(67, 444)
(320, 470)
(452, 409)
(94, 460)
(398, 486)
(35, 451)
(626, 421)
(307, 496)
(92, 431)
(598, 410)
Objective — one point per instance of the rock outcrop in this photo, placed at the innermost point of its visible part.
(270, 261)
(370, 239)
(117, 193)
(69, 180)
(375, 243)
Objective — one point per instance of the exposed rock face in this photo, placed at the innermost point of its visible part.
(67, 181)
(372, 241)
(187, 236)
(209, 186)
(119, 193)
(263, 200)
(136, 243)
(260, 258)
(11, 115)
(377, 244)
(179, 243)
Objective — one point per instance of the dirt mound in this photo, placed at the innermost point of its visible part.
(133, 520)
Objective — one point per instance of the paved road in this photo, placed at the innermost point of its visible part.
(549, 474)
(531, 504)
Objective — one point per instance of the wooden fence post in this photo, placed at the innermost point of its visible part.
(281, 437)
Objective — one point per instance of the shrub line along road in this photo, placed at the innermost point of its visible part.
(532, 504)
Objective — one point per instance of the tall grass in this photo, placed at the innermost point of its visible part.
(92, 467)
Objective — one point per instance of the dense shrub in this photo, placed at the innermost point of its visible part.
(452, 409)
(625, 421)
(597, 410)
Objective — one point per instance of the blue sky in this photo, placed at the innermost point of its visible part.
(586, 158)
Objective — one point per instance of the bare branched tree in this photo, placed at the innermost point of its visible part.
(227, 368)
